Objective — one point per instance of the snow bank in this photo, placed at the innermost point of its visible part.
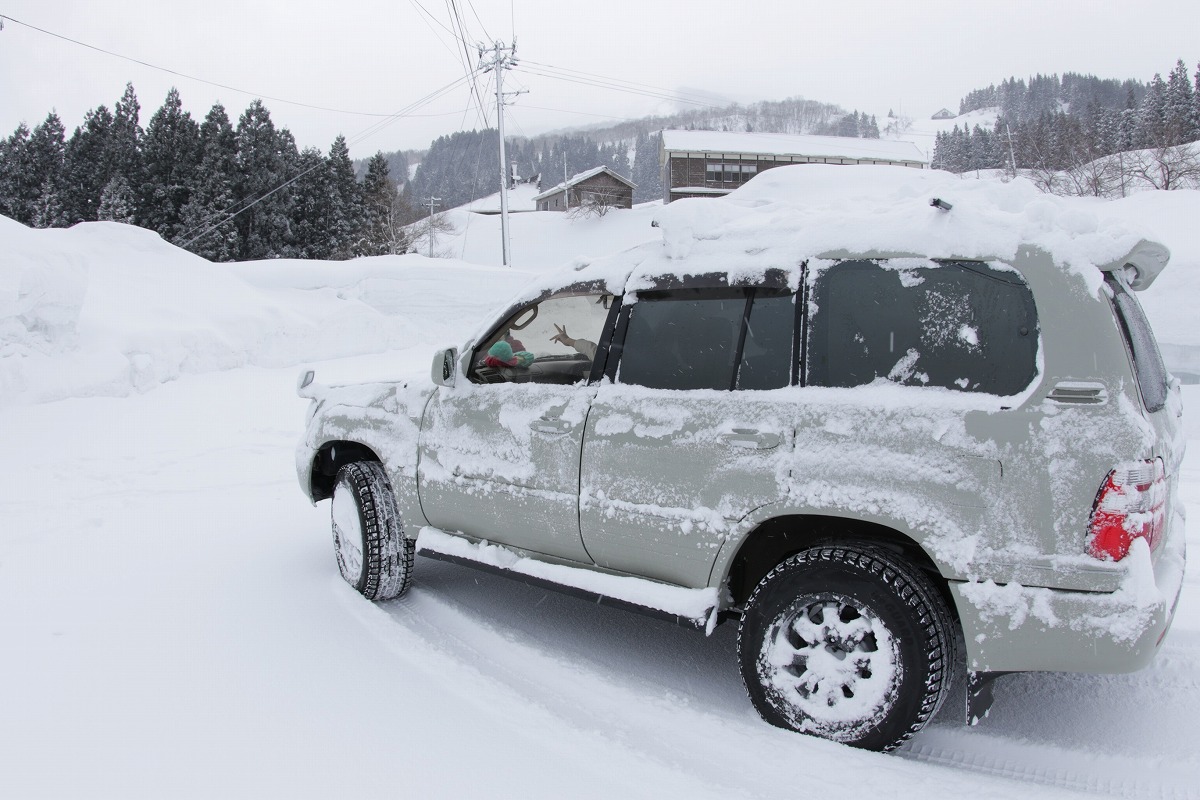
(110, 309)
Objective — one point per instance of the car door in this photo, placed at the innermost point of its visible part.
(693, 432)
(499, 451)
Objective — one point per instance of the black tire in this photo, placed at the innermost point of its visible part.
(879, 656)
(372, 552)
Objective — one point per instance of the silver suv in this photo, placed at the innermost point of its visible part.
(899, 473)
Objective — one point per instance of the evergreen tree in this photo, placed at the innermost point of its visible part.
(1152, 115)
(12, 168)
(618, 160)
(1179, 107)
(343, 223)
(31, 166)
(206, 228)
(458, 168)
(48, 212)
(14, 171)
(847, 125)
(124, 145)
(117, 201)
(381, 232)
(1128, 120)
(312, 207)
(43, 176)
(1196, 98)
(170, 156)
(647, 173)
(262, 159)
(86, 168)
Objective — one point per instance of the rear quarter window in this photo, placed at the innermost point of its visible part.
(1143, 349)
(957, 325)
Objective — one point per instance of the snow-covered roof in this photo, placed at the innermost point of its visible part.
(738, 144)
(583, 176)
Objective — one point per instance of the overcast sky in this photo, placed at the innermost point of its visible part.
(382, 56)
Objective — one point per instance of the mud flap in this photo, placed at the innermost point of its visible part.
(979, 694)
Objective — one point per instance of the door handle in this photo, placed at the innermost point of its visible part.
(751, 439)
(550, 425)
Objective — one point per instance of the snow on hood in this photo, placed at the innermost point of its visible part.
(788, 214)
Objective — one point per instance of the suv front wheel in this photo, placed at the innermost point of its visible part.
(372, 552)
(848, 643)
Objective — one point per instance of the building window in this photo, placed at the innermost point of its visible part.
(719, 172)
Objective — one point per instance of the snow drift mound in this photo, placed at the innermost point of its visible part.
(41, 294)
(109, 309)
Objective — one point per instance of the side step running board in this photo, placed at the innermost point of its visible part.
(693, 608)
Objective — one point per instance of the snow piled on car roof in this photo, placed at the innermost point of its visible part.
(789, 214)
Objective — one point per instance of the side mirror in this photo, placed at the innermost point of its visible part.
(307, 386)
(445, 366)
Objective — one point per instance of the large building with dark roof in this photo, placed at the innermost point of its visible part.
(714, 163)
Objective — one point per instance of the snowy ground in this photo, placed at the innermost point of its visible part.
(173, 623)
(174, 626)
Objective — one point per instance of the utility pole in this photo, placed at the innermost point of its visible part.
(1012, 156)
(433, 202)
(502, 58)
(566, 189)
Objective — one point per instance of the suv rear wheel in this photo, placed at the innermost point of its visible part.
(848, 643)
(372, 552)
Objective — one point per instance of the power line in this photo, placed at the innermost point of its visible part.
(192, 77)
(420, 7)
(427, 17)
(482, 27)
(466, 55)
(407, 110)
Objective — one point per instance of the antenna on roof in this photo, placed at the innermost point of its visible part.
(941, 204)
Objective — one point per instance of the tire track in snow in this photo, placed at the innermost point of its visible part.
(1038, 765)
(530, 652)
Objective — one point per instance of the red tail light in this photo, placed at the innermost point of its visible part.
(1131, 504)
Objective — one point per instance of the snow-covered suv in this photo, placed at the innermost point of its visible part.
(888, 436)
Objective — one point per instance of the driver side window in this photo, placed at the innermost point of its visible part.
(550, 341)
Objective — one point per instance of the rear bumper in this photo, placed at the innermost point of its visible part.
(1015, 628)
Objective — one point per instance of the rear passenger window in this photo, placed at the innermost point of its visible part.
(691, 339)
(960, 325)
(767, 350)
